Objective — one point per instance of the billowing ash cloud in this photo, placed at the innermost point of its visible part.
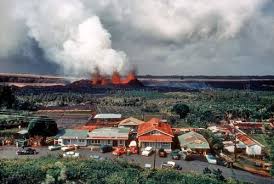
(227, 37)
(71, 36)
(211, 37)
(12, 31)
(183, 19)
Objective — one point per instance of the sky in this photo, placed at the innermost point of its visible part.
(158, 37)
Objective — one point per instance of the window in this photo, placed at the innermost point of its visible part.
(121, 142)
(95, 141)
(109, 142)
(82, 140)
(166, 145)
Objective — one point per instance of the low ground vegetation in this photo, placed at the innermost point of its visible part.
(53, 170)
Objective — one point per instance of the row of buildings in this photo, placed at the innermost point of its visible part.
(154, 133)
(239, 133)
(111, 129)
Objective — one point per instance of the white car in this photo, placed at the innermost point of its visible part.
(148, 166)
(54, 147)
(171, 164)
(211, 159)
(71, 154)
(69, 148)
(148, 151)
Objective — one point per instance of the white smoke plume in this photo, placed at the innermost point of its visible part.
(194, 18)
(183, 19)
(12, 31)
(71, 36)
(211, 37)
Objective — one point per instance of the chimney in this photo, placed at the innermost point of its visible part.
(156, 122)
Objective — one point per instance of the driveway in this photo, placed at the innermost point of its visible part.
(188, 166)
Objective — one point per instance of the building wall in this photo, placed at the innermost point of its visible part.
(79, 142)
(201, 151)
(99, 142)
(156, 145)
(254, 150)
(230, 148)
(93, 142)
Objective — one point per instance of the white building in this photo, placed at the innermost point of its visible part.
(109, 136)
(252, 147)
(72, 136)
(254, 150)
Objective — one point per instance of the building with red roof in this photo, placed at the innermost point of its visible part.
(249, 127)
(156, 134)
(252, 147)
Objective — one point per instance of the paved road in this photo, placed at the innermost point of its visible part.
(188, 166)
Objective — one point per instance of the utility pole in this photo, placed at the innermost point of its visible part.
(154, 160)
(235, 144)
(154, 163)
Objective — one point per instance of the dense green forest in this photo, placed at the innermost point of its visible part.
(196, 109)
(57, 171)
(203, 107)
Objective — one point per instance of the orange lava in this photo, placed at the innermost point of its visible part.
(115, 79)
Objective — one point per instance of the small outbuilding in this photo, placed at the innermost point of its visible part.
(194, 141)
(130, 122)
(252, 147)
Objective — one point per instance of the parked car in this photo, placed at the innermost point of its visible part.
(26, 151)
(106, 148)
(148, 151)
(133, 150)
(54, 147)
(119, 151)
(148, 166)
(171, 164)
(162, 153)
(71, 154)
(211, 159)
(175, 154)
(69, 148)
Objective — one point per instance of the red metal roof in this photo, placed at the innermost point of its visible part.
(155, 138)
(245, 139)
(155, 124)
(88, 127)
(249, 125)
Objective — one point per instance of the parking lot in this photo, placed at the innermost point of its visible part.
(8, 152)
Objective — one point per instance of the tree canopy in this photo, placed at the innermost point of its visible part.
(53, 170)
(7, 98)
(181, 109)
(42, 126)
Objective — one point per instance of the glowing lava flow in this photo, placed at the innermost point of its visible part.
(115, 79)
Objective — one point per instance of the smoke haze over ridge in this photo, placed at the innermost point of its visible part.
(212, 37)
